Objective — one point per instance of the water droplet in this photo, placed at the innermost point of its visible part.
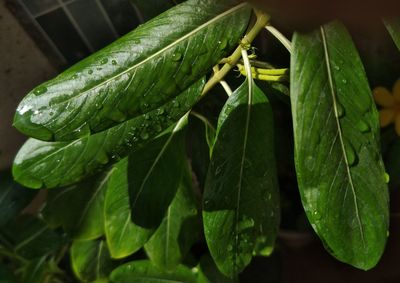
(104, 61)
(310, 163)
(160, 111)
(387, 178)
(208, 204)
(229, 248)
(344, 81)
(40, 90)
(337, 68)
(98, 106)
(116, 115)
(114, 62)
(157, 128)
(175, 103)
(350, 153)
(51, 113)
(74, 77)
(223, 44)
(144, 135)
(176, 57)
(363, 126)
(317, 215)
(90, 72)
(340, 110)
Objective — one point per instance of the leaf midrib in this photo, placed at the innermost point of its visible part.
(171, 45)
(333, 93)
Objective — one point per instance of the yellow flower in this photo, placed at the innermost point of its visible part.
(390, 102)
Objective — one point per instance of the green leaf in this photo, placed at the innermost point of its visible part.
(201, 136)
(123, 236)
(136, 74)
(336, 129)
(209, 273)
(31, 238)
(393, 26)
(154, 175)
(13, 198)
(142, 271)
(78, 208)
(91, 260)
(241, 198)
(179, 229)
(52, 164)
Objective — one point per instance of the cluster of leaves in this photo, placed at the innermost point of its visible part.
(110, 134)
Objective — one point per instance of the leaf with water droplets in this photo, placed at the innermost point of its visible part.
(78, 208)
(147, 67)
(50, 164)
(145, 271)
(91, 260)
(336, 125)
(241, 199)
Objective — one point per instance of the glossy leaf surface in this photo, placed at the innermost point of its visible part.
(241, 198)
(123, 236)
(339, 168)
(136, 74)
(78, 208)
(13, 198)
(154, 175)
(143, 271)
(91, 260)
(52, 164)
(393, 26)
(178, 230)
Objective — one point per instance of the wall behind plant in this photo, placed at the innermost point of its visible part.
(22, 66)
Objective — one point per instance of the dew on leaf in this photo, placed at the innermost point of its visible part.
(363, 126)
(176, 57)
(40, 90)
(104, 61)
(144, 135)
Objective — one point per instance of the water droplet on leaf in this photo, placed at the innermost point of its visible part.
(176, 57)
(104, 61)
(40, 90)
(144, 135)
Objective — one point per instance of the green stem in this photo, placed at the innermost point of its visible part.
(262, 20)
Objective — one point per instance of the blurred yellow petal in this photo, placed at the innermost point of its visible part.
(396, 91)
(383, 97)
(386, 116)
(397, 124)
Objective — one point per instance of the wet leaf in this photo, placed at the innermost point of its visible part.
(241, 199)
(339, 168)
(136, 74)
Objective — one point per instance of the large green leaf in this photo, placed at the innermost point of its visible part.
(143, 271)
(179, 229)
(241, 198)
(154, 175)
(91, 260)
(52, 164)
(30, 237)
(78, 208)
(393, 26)
(123, 236)
(13, 197)
(338, 164)
(136, 74)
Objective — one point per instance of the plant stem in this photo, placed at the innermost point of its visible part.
(278, 35)
(262, 20)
